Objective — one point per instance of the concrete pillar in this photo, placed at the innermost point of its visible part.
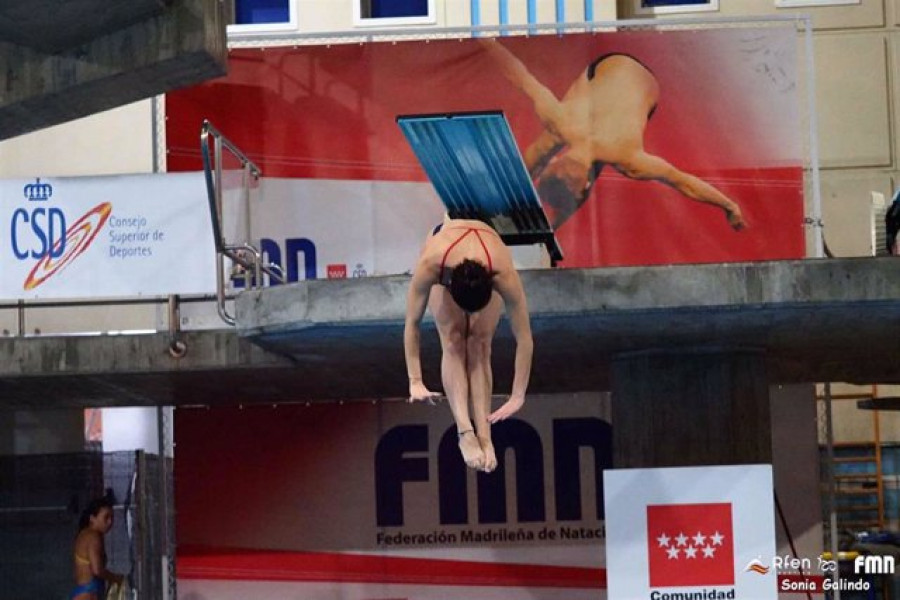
(795, 447)
(690, 407)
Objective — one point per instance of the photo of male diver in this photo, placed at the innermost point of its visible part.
(599, 121)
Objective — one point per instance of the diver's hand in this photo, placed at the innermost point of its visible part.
(419, 393)
(509, 408)
(735, 218)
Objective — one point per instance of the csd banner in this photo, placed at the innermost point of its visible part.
(694, 532)
(645, 147)
(372, 500)
(105, 237)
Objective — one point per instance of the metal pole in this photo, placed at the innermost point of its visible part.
(832, 509)
(174, 321)
(20, 312)
(154, 130)
(220, 290)
(816, 216)
(141, 542)
(166, 562)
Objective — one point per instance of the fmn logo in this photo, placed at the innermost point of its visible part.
(690, 545)
(874, 565)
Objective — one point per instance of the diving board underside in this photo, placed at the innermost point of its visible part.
(476, 168)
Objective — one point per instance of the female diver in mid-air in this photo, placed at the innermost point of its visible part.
(465, 275)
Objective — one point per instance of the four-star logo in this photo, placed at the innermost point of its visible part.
(690, 545)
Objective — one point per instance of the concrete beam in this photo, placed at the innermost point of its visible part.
(55, 25)
(138, 370)
(182, 45)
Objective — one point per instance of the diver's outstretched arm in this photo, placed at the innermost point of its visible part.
(416, 301)
(546, 105)
(643, 166)
(510, 288)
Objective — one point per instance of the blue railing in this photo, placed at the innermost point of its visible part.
(531, 7)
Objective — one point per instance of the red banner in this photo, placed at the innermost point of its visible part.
(721, 115)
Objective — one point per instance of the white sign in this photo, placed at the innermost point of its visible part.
(319, 228)
(105, 237)
(692, 532)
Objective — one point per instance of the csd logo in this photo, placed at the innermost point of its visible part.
(69, 247)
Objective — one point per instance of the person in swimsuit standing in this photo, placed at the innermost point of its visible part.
(599, 121)
(91, 574)
(465, 276)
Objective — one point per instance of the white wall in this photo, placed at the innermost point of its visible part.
(117, 141)
(130, 429)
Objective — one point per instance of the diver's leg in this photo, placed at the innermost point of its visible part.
(452, 328)
(482, 326)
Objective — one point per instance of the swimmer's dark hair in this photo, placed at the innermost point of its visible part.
(471, 285)
(93, 509)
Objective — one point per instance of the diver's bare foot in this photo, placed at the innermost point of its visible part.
(490, 458)
(471, 450)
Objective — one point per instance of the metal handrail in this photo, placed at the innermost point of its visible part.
(233, 253)
(212, 187)
(220, 291)
(39, 304)
(237, 253)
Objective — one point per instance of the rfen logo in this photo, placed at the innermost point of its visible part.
(756, 566)
(76, 240)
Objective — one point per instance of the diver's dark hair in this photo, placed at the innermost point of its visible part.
(561, 194)
(93, 509)
(471, 285)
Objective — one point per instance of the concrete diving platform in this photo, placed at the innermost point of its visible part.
(812, 320)
(804, 321)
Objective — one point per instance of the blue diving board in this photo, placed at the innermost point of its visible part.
(477, 170)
